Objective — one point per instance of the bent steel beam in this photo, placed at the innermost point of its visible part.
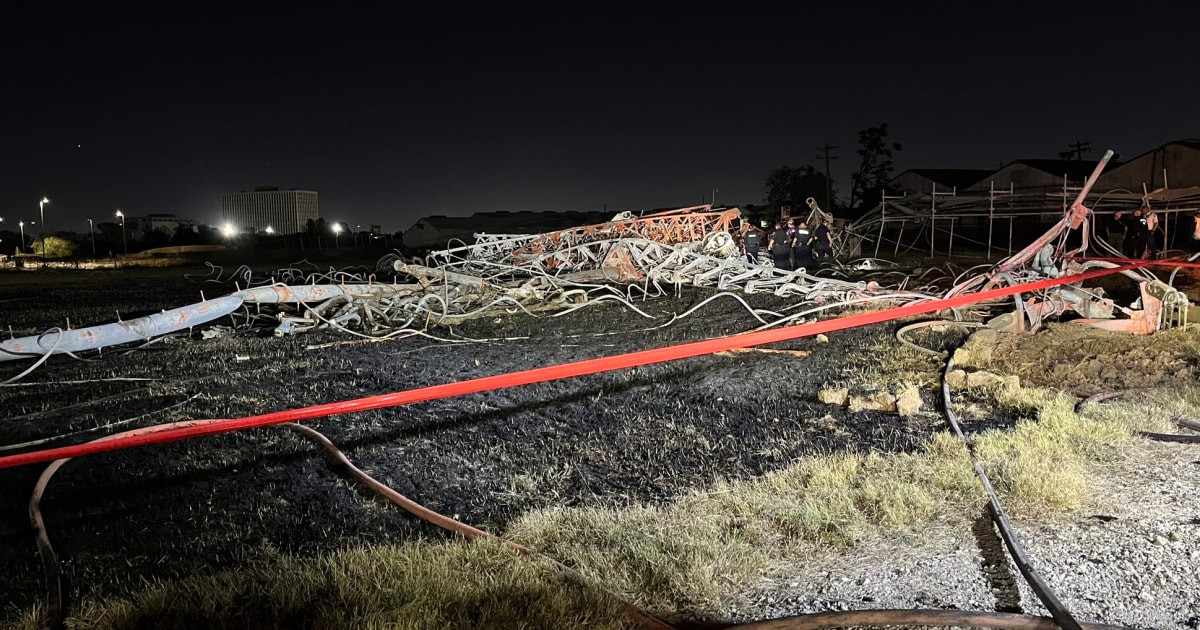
(140, 329)
(174, 320)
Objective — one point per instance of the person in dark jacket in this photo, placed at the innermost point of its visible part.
(1133, 242)
(1196, 233)
(781, 248)
(1153, 234)
(802, 252)
(751, 242)
(822, 242)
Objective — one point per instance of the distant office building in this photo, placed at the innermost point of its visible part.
(283, 211)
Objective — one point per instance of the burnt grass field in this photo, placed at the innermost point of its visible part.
(639, 435)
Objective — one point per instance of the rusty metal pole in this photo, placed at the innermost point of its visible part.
(1074, 219)
(1091, 180)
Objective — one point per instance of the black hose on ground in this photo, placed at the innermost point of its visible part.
(915, 618)
(1183, 423)
(1062, 616)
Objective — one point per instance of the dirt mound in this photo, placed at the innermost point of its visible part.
(1087, 360)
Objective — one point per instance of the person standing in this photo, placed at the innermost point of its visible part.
(781, 248)
(822, 242)
(1152, 234)
(1196, 233)
(802, 252)
(1141, 237)
(791, 237)
(1132, 245)
(751, 243)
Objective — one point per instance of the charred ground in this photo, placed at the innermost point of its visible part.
(623, 437)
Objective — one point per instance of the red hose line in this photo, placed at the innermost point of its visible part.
(549, 373)
(1173, 262)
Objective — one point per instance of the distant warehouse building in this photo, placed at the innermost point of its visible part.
(142, 228)
(269, 209)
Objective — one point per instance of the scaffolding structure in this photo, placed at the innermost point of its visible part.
(972, 216)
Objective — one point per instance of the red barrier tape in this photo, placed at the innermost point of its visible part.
(553, 372)
(1171, 262)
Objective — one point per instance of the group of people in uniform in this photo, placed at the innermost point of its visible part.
(1138, 233)
(792, 245)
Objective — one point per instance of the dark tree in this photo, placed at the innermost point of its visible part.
(207, 235)
(874, 169)
(109, 233)
(787, 186)
(185, 235)
(158, 237)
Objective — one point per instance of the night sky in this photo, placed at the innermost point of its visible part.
(393, 116)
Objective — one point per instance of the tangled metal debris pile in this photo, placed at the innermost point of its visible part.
(623, 260)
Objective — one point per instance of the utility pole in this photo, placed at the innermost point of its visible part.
(825, 153)
(1077, 150)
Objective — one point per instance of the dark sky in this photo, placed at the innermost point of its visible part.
(392, 116)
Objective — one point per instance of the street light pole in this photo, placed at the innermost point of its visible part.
(42, 210)
(92, 233)
(124, 243)
(337, 232)
(21, 247)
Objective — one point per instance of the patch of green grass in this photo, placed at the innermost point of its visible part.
(1042, 463)
(1152, 410)
(887, 362)
(414, 585)
(706, 547)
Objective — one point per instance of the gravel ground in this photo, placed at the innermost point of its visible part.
(1130, 557)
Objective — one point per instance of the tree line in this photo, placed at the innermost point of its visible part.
(789, 186)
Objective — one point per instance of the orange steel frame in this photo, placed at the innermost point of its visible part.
(683, 225)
